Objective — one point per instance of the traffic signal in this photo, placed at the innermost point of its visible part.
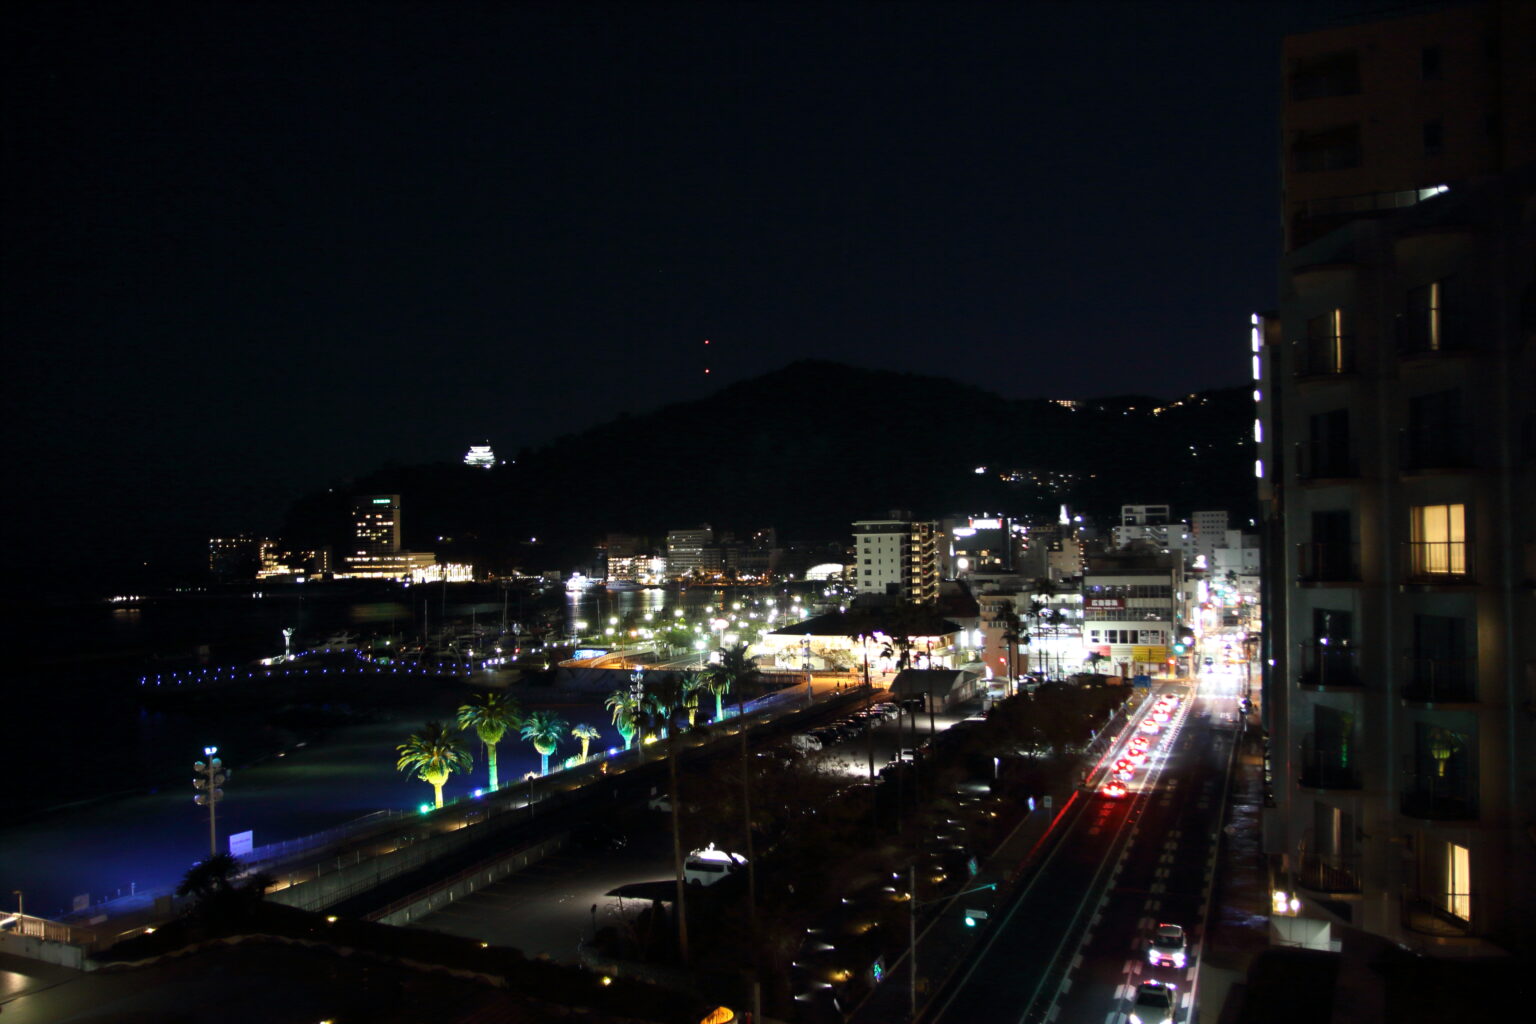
(1181, 647)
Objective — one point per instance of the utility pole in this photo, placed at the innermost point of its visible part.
(912, 942)
(211, 776)
(677, 844)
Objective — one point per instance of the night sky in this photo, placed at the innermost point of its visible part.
(252, 249)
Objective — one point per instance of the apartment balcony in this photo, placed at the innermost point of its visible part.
(1431, 798)
(1329, 666)
(1327, 562)
(1438, 562)
(1319, 464)
(1331, 876)
(1324, 359)
(1442, 914)
(1326, 768)
(1435, 334)
(1423, 452)
(1439, 680)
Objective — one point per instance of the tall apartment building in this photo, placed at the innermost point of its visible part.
(1381, 115)
(1398, 476)
(690, 552)
(1209, 529)
(897, 555)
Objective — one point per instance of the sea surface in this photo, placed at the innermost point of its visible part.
(104, 806)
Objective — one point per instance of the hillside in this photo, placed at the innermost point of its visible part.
(807, 449)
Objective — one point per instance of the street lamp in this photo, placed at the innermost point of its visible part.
(971, 917)
(211, 775)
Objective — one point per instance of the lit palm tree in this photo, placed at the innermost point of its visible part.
(693, 685)
(586, 734)
(490, 715)
(733, 671)
(544, 730)
(434, 754)
(625, 706)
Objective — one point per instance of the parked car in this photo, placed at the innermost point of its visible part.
(805, 743)
(709, 865)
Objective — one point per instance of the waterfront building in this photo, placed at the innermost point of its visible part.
(234, 558)
(377, 553)
(692, 552)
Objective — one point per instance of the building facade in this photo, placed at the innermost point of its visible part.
(1398, 475)
(897, 555)
(1380, 115)
(1132, 611)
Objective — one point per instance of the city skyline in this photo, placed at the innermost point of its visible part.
(252, 251)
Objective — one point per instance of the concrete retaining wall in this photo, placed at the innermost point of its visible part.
(48, 951)
(421, 904)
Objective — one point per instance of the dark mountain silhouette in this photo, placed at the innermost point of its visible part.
(808, 449)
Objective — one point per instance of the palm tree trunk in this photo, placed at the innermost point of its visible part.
(437, 793)
(490, 758)
(544, 764)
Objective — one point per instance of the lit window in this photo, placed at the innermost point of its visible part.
(1439, 540)
(1458, 881)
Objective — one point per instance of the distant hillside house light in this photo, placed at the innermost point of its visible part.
(480, 455)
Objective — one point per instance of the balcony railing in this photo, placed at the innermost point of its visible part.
(1329, 665)
(1328, 562)
(1323, 357)
(1439, 561)
(1324, 462)
(1330, 874)
(1431, 333)
(1449, 915)
(1439, 680)
(1423, 451)
(1433, 798)
(1327, 768)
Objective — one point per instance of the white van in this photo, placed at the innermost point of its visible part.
(709, 865)
(805, 743)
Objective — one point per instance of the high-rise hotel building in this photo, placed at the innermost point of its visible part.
(376, 532)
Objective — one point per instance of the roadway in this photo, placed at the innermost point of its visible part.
(1071, 945)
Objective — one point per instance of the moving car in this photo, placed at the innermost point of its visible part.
(1114, 789)
(1154, 1003)
(1169, 946)
(1150, 727)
